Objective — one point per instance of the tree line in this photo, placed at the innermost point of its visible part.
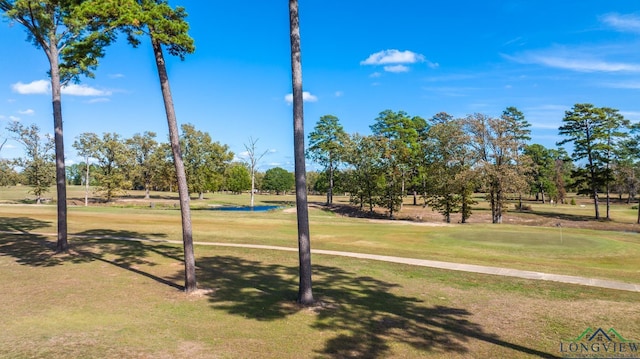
(442, 161)
(113, 165)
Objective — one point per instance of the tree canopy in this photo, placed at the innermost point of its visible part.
(327, 144)
(278, 179)
(73, 42)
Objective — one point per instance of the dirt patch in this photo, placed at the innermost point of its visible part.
(201, 293)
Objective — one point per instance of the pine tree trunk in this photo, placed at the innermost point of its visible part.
(498, 207)
(448, 212)
(520, 202)
(594, 188)
(147, 190)
(330, 192)
(62, 245)
(465, 209)
(183, 191)
(492, 195)
(608, 201)
(305, 293)
(402, 193)
(595, 203)
(86, 183)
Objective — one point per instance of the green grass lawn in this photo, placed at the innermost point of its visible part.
(115, 299)
(573, 251)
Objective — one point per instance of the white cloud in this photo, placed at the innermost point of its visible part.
(393, 56)
(587, 65)
(622, 22)
(518, 41)
(36, 87)
(573, 60)
(116, 76)
(396, 61)
(306, 96)
(14, 118)
(83, 90)
(396, 68)
(28, 112)
(44, 87)
(338, 94)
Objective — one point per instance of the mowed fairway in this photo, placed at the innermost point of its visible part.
(112, 298)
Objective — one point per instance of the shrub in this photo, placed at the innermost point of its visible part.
(524, 207)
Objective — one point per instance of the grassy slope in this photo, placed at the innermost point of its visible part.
(116, 299)
(573, 251)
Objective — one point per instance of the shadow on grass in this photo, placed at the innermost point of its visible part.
(28, 249)
(363, 313)
(22, 224)
(283, 203)
(586, 222)
(351, 211)
(565, 216)
(124, 249)
(107, 246)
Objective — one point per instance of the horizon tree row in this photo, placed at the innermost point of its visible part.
(118, 164)
(444, 160)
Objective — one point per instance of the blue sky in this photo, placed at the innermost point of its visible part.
(359, 58)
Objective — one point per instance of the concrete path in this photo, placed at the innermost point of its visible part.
(505, 272)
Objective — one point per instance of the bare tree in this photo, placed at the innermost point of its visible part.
(253, 163)
(86, 144)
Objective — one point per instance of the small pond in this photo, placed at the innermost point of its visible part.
(245, 208)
